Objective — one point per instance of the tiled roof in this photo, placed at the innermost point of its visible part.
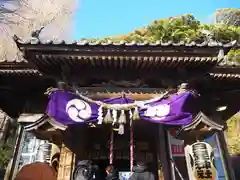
(145, 55)
(202, 118)
(35, 41)
(101, 53)
(120, 54)
(16, 60)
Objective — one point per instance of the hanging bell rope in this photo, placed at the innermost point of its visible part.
(111, 153)
(131, 147)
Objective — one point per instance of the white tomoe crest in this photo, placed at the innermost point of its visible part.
(78, 110)
(161, 110)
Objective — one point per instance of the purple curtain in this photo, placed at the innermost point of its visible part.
(68, 108)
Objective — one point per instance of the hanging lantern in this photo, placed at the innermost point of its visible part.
(200, 161)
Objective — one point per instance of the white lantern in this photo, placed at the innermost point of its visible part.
(200, 161)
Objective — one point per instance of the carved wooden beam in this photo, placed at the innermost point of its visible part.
(137, 97)
(99, 93)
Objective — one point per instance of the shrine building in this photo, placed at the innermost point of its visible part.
(118, 103)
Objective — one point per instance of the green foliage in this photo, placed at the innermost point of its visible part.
(234, 55)
(184, 28)
(5, 155)
(6, 151)
(233, 134)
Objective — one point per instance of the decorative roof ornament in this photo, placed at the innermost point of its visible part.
(221, 55)
(36, 33)
(16, 38)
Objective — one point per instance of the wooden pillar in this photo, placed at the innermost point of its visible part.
(73, 149)
(163, 161)
(226, 156)
(66, 163)
(222, 141)
(67, 156)
(79, 137)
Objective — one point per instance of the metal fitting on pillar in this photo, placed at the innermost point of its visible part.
(182, 87)
(62, 85)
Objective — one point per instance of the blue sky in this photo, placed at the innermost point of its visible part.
(100, 18)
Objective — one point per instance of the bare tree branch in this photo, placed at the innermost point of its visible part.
(8, 48)
(22, 17)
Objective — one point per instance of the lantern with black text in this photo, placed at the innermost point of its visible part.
(200, 161)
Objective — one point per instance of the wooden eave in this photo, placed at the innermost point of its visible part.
(46, 132)
(49, 55)
(201, 118)
(225, 73)
(43, 128)
(225, 76)
(35, 121)
(219, 74)
(20, 72)
(30, 126)
(200, 128)
(48, 63)
(226, 69)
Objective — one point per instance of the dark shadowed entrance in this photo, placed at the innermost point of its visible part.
(145, 146)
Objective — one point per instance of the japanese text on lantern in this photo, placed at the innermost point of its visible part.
(203, 164)
(176, 145)
(204, 171)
